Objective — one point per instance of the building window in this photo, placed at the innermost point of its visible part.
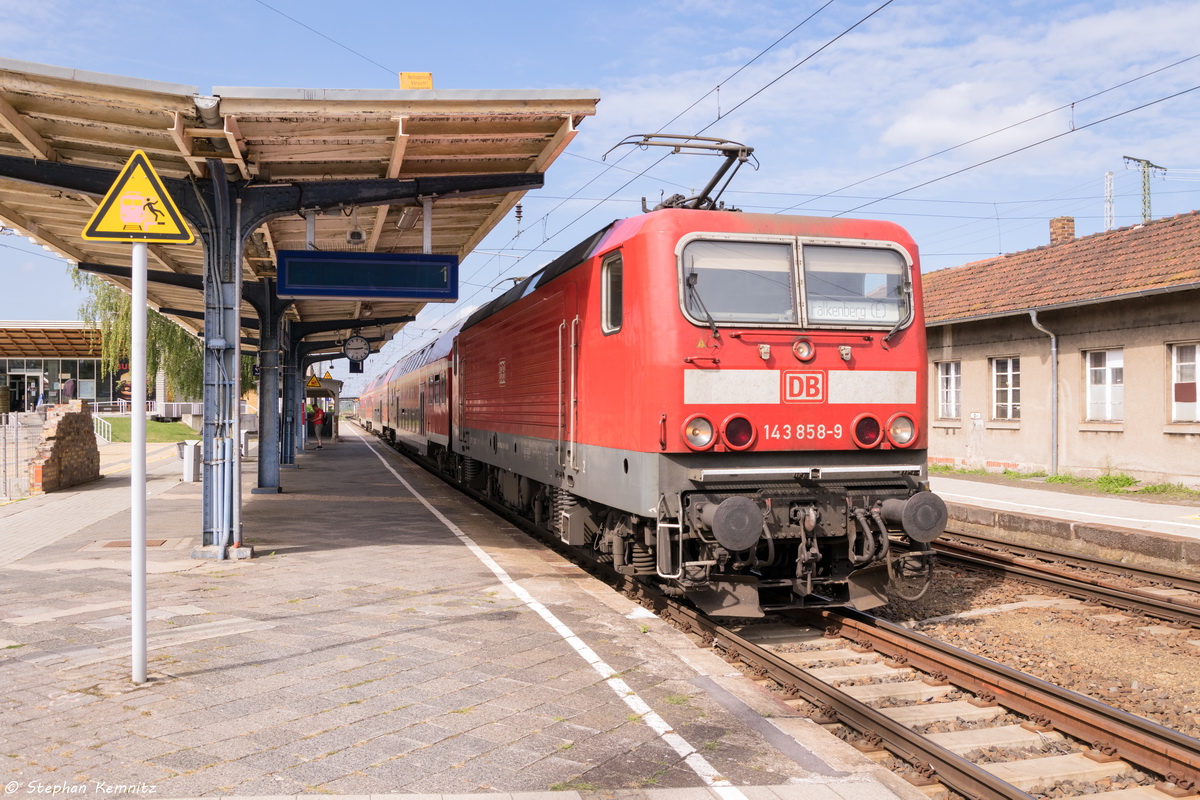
(1184, 407)
(1106, 385)
(612, 298)
(1006, 388)
(949, 378)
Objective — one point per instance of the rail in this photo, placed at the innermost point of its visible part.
(1111, 731)
(1053, 569)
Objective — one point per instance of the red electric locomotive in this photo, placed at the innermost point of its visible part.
(729, 404)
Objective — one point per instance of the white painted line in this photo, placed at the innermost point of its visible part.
(699, 764)
(1060, 511)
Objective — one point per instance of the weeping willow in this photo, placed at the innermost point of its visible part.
(169, 347)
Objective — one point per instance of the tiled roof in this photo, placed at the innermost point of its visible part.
(1158, 256)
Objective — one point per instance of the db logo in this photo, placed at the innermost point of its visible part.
(803, 387)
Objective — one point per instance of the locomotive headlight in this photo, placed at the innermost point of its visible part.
(803, 349)
(867, 431)
(698, 432)
(902, 431)
(738, 433)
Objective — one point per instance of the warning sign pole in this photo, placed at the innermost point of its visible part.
(137, 473)
(138, 209)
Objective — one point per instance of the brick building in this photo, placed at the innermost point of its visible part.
(1078, 357)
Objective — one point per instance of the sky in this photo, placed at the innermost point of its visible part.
(970, 123)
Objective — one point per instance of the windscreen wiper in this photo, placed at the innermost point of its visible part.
(690, 282)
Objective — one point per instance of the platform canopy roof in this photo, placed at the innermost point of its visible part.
(288, 136)
(48, 340)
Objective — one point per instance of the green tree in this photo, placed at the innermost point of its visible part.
(169, 347)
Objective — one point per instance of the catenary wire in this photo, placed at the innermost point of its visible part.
(996, 132)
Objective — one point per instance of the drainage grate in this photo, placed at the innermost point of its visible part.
(127, 543)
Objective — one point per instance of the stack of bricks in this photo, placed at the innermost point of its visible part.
(68, 454)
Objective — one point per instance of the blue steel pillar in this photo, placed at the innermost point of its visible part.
(288, 428)
(222, 332)
(269, 419)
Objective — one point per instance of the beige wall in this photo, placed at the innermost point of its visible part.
(1145, 443)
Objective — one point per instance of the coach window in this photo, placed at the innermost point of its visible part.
(612, 293)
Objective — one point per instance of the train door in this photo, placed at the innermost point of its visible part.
(569, 331)
(421, 411)
(459, 391)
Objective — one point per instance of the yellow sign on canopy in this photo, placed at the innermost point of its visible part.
(313, 383)
(416, 80)
(138, 209)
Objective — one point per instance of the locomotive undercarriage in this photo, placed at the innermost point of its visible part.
(743, 550)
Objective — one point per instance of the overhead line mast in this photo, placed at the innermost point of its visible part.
(1146, 167)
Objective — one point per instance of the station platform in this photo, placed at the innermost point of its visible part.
(387, 637)
(1118, 526)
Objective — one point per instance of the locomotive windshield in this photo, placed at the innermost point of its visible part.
(853, 285)
(739, 282)
(758, 283)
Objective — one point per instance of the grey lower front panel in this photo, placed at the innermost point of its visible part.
(634, 481)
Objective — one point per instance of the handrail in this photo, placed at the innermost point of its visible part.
(102, 428)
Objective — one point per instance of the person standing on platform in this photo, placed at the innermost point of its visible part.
(318, 421)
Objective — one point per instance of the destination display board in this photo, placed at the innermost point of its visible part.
(430, 278)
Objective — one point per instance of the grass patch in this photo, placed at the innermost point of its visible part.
(1020, 476)
(572, 786)
(1111, 483)
(1170, 490)
(1105, 483)
(156, 432)
(677, 699)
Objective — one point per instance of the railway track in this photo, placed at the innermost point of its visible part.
(1009, 733)
(1172, 597)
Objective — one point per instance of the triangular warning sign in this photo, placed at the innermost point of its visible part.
(138, 209)
(327, 376)
(313, 383)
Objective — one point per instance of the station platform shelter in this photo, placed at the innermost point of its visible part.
(252, 175)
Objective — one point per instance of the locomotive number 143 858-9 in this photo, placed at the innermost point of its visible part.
(801, 431)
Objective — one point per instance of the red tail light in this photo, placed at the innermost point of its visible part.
(738, 433)
(867, 431)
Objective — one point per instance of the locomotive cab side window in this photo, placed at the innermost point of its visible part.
(612, 297)
(854, 285)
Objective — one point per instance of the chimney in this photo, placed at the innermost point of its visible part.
(1062, 230)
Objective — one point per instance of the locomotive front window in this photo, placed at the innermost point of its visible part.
(748, 282)
(854, 285)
